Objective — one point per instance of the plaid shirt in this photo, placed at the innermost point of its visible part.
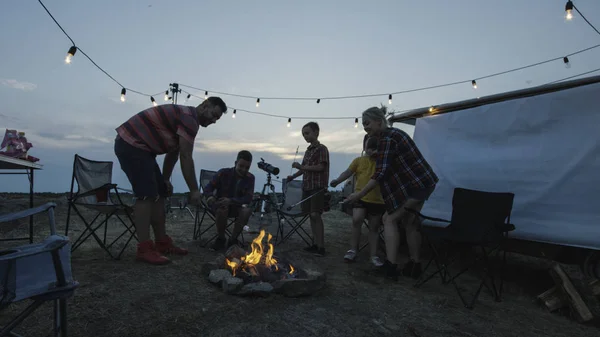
(401, 170)
(228, 184)
(315, 155)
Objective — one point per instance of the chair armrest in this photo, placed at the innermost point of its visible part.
(53, 246)
(92, 192)
(26, 213)
(426, 217)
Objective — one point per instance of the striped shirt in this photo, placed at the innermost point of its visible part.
(401, 170)
(157, 129)
(315, 155)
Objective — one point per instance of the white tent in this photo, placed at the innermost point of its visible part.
(543, 144)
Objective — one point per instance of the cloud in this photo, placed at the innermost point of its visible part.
(25, 86)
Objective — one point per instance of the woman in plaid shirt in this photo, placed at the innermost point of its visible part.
(406, 180)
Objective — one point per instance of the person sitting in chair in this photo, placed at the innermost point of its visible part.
(229, 194)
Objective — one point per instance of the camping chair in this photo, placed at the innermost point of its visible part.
(94, 186)
(203, 211)
(38, 272)
(291, 213)
(479, 220)
(178, 203)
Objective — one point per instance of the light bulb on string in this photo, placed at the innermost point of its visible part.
(123, 91)
(233, 115)
(474, 84)
(187, 98)
(390, 99)
(566, 61)
(289, 122)
(257, 102)
(205, 94)
(569, 10)
(318, 101)
(356, 122)
(167, 95)
(153, 101)
(70, 54)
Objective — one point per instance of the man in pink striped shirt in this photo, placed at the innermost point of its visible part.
(168, 129)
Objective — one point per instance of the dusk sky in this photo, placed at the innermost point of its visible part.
(263, 49)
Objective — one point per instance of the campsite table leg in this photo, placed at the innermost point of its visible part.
(30, 176)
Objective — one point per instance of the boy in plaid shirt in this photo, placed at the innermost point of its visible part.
(315, 179)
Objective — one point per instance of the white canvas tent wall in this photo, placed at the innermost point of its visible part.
(543, 144)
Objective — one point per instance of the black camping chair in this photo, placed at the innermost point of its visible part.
(94, 187)
(480, 220)
(36, 273)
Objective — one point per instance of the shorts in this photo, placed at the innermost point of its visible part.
(371, 208)
(417, 197)
(315, 204)
(141, 169)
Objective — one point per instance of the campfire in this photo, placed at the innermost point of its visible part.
(259, 264)
(260, 271)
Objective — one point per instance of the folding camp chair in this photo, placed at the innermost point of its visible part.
(178, 203)
(37, 272)
(94, 186)
(291, 213)
(203, 211)
(479, 220)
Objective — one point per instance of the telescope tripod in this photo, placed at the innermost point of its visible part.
(268, 203)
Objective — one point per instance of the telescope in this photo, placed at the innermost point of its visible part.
(267, 167)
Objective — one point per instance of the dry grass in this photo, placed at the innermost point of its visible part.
(125, 298)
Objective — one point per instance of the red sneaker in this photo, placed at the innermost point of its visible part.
(165, 246)
(146, 252)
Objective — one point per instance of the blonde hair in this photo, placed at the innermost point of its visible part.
(376, 114)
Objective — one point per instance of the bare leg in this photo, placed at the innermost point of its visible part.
(392, 237)
(319, 229)
(221, 221)
(240, 222)
(158, 219)
(374, 224)
(413, 236)
(142, 213)
(358, 216)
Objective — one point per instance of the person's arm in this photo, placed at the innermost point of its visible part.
(343, 176)
(187, 163)
(169, 164)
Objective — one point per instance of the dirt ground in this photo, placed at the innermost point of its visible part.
(127, 298)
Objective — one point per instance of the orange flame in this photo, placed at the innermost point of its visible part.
(258, 255)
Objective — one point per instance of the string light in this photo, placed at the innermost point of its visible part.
(566, 61)
(233, 115)
(70, 54)
(569, 7)
(289, 123)
(318, 101)
(474, 84)
(356, 122)
(206, 95)
(569, 10)
(153, 101)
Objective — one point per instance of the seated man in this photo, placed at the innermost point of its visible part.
(229, 194)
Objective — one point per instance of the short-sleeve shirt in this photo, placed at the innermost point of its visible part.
(157, 129)
(315, 155)
(228, 184)
(363, 168)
